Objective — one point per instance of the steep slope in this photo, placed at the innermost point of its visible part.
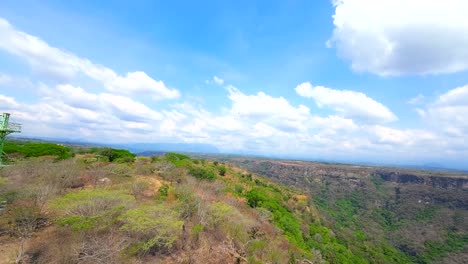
(421, 213)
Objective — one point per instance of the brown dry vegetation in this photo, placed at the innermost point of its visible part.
(84, 210)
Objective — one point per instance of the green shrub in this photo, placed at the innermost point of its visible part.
(426, 213)
(154, 227)
(255, 197)
(202, 173)
(36, 149)
(434, 250)
(163, 190)
(220, 213)
(177, 159)
(282, 217)
(89, 209)
(116, 155)
(238, 189)
(188, 202)
(222, 170)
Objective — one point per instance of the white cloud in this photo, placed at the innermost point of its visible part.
(215, 80)
(8, 102)
(218, 80)
(138, 82)
(397, 37)
(350, 104)
(62, 65)
(257, 122)
(128, 109)
(419, 99)
(277, 112)
(399, 137)
(449, 112)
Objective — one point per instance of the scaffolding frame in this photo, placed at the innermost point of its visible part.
(6, 128)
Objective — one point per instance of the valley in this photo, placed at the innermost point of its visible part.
(421, 213)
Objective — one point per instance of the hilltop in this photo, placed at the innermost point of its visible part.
(103, 205)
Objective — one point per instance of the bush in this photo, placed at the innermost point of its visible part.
(222, 171)
(116, 155)
(154, 227)
(90, 209)
(35, 149)
(177, 159)
(220, 213)
(202, 173)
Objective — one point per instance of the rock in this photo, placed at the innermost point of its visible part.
(105, 181)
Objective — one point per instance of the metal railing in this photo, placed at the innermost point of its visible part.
(14, 127)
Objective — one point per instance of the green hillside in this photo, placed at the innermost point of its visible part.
(105, 206)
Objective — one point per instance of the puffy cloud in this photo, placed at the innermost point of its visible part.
(397, 37)
(277, 112)
(449, 112)
(254, 123)
(63, 65)
(350, 104)
(138, 82)
(398, 137)
(127, 109)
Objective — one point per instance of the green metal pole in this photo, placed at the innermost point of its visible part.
(4, 131)
(2, 140)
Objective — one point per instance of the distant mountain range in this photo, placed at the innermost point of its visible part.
(168, 147)
(150, 149)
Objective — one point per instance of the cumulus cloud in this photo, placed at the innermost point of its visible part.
(449, 112)
(250, 122)
(401, 137)
(398, 37)
(257, 123)
(263, 106)
(62, 65)
(348, 103)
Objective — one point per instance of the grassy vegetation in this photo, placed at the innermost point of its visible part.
(35, 149)
(113, 155)
(173, 207)
(453, 242)
(110, 207)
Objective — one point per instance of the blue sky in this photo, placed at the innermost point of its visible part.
(340, 80)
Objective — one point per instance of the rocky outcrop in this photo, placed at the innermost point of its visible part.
(440, 182)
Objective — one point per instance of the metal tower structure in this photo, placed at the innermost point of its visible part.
(6, 128)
